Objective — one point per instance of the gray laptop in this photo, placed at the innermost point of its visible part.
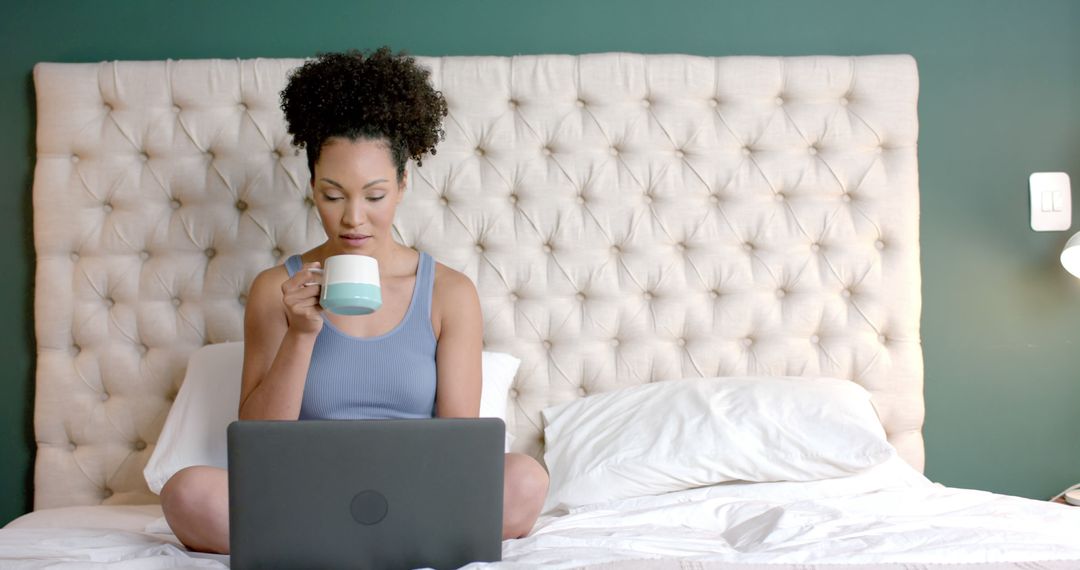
(365, 493)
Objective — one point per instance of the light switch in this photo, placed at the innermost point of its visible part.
(1051, 201)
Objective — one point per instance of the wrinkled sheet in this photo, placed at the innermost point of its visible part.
(889, 518)
(890, 514)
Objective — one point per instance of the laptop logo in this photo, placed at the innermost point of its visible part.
(368, 507)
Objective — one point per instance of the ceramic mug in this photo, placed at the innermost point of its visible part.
(350, 284)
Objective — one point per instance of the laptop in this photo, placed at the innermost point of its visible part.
(379, 494)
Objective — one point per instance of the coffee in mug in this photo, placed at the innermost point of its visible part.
(350, 284)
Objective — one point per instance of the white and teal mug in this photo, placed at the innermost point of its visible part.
(350, 285)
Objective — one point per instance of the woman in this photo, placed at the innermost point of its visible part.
(360, 118)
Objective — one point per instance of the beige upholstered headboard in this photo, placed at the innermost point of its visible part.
(627, 219)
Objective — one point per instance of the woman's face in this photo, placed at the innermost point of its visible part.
(356, 190)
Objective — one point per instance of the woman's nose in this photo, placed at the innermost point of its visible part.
(355, 213)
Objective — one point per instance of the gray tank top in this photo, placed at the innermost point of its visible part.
(381, 377)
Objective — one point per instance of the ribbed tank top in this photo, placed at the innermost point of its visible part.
(387, 376)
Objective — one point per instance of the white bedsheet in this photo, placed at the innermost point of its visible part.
(888, 514)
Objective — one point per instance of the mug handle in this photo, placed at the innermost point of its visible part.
(317, 270)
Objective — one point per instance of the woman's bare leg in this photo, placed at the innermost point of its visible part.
(525, 486)
(196, 505)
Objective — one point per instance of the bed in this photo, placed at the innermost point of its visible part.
(632, 223)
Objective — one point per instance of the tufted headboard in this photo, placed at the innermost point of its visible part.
(626, 218)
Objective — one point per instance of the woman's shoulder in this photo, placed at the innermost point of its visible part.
(451, 283)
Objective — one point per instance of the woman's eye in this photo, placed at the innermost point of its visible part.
(376, 198)
(333, 198)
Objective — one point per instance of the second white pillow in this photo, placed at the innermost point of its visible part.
(680, 434)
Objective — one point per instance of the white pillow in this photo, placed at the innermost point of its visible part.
(675, 435)
(209, 399)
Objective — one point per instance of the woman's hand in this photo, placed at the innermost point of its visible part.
(300, 295)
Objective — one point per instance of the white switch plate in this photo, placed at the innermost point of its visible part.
(1051, 201)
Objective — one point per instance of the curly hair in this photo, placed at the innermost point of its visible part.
(376, 96)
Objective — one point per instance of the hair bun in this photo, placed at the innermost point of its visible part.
(355, 95)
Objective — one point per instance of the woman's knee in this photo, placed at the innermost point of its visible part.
(191, 489)
(528, 481)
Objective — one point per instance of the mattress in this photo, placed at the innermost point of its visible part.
(887, 517)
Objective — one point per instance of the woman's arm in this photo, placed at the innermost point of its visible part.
(460, 333)
(276, 356)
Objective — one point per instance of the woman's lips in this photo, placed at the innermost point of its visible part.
(355, 241)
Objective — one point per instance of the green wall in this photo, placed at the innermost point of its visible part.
(1000, 98)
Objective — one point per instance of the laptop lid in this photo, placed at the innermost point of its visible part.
(365, 493)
